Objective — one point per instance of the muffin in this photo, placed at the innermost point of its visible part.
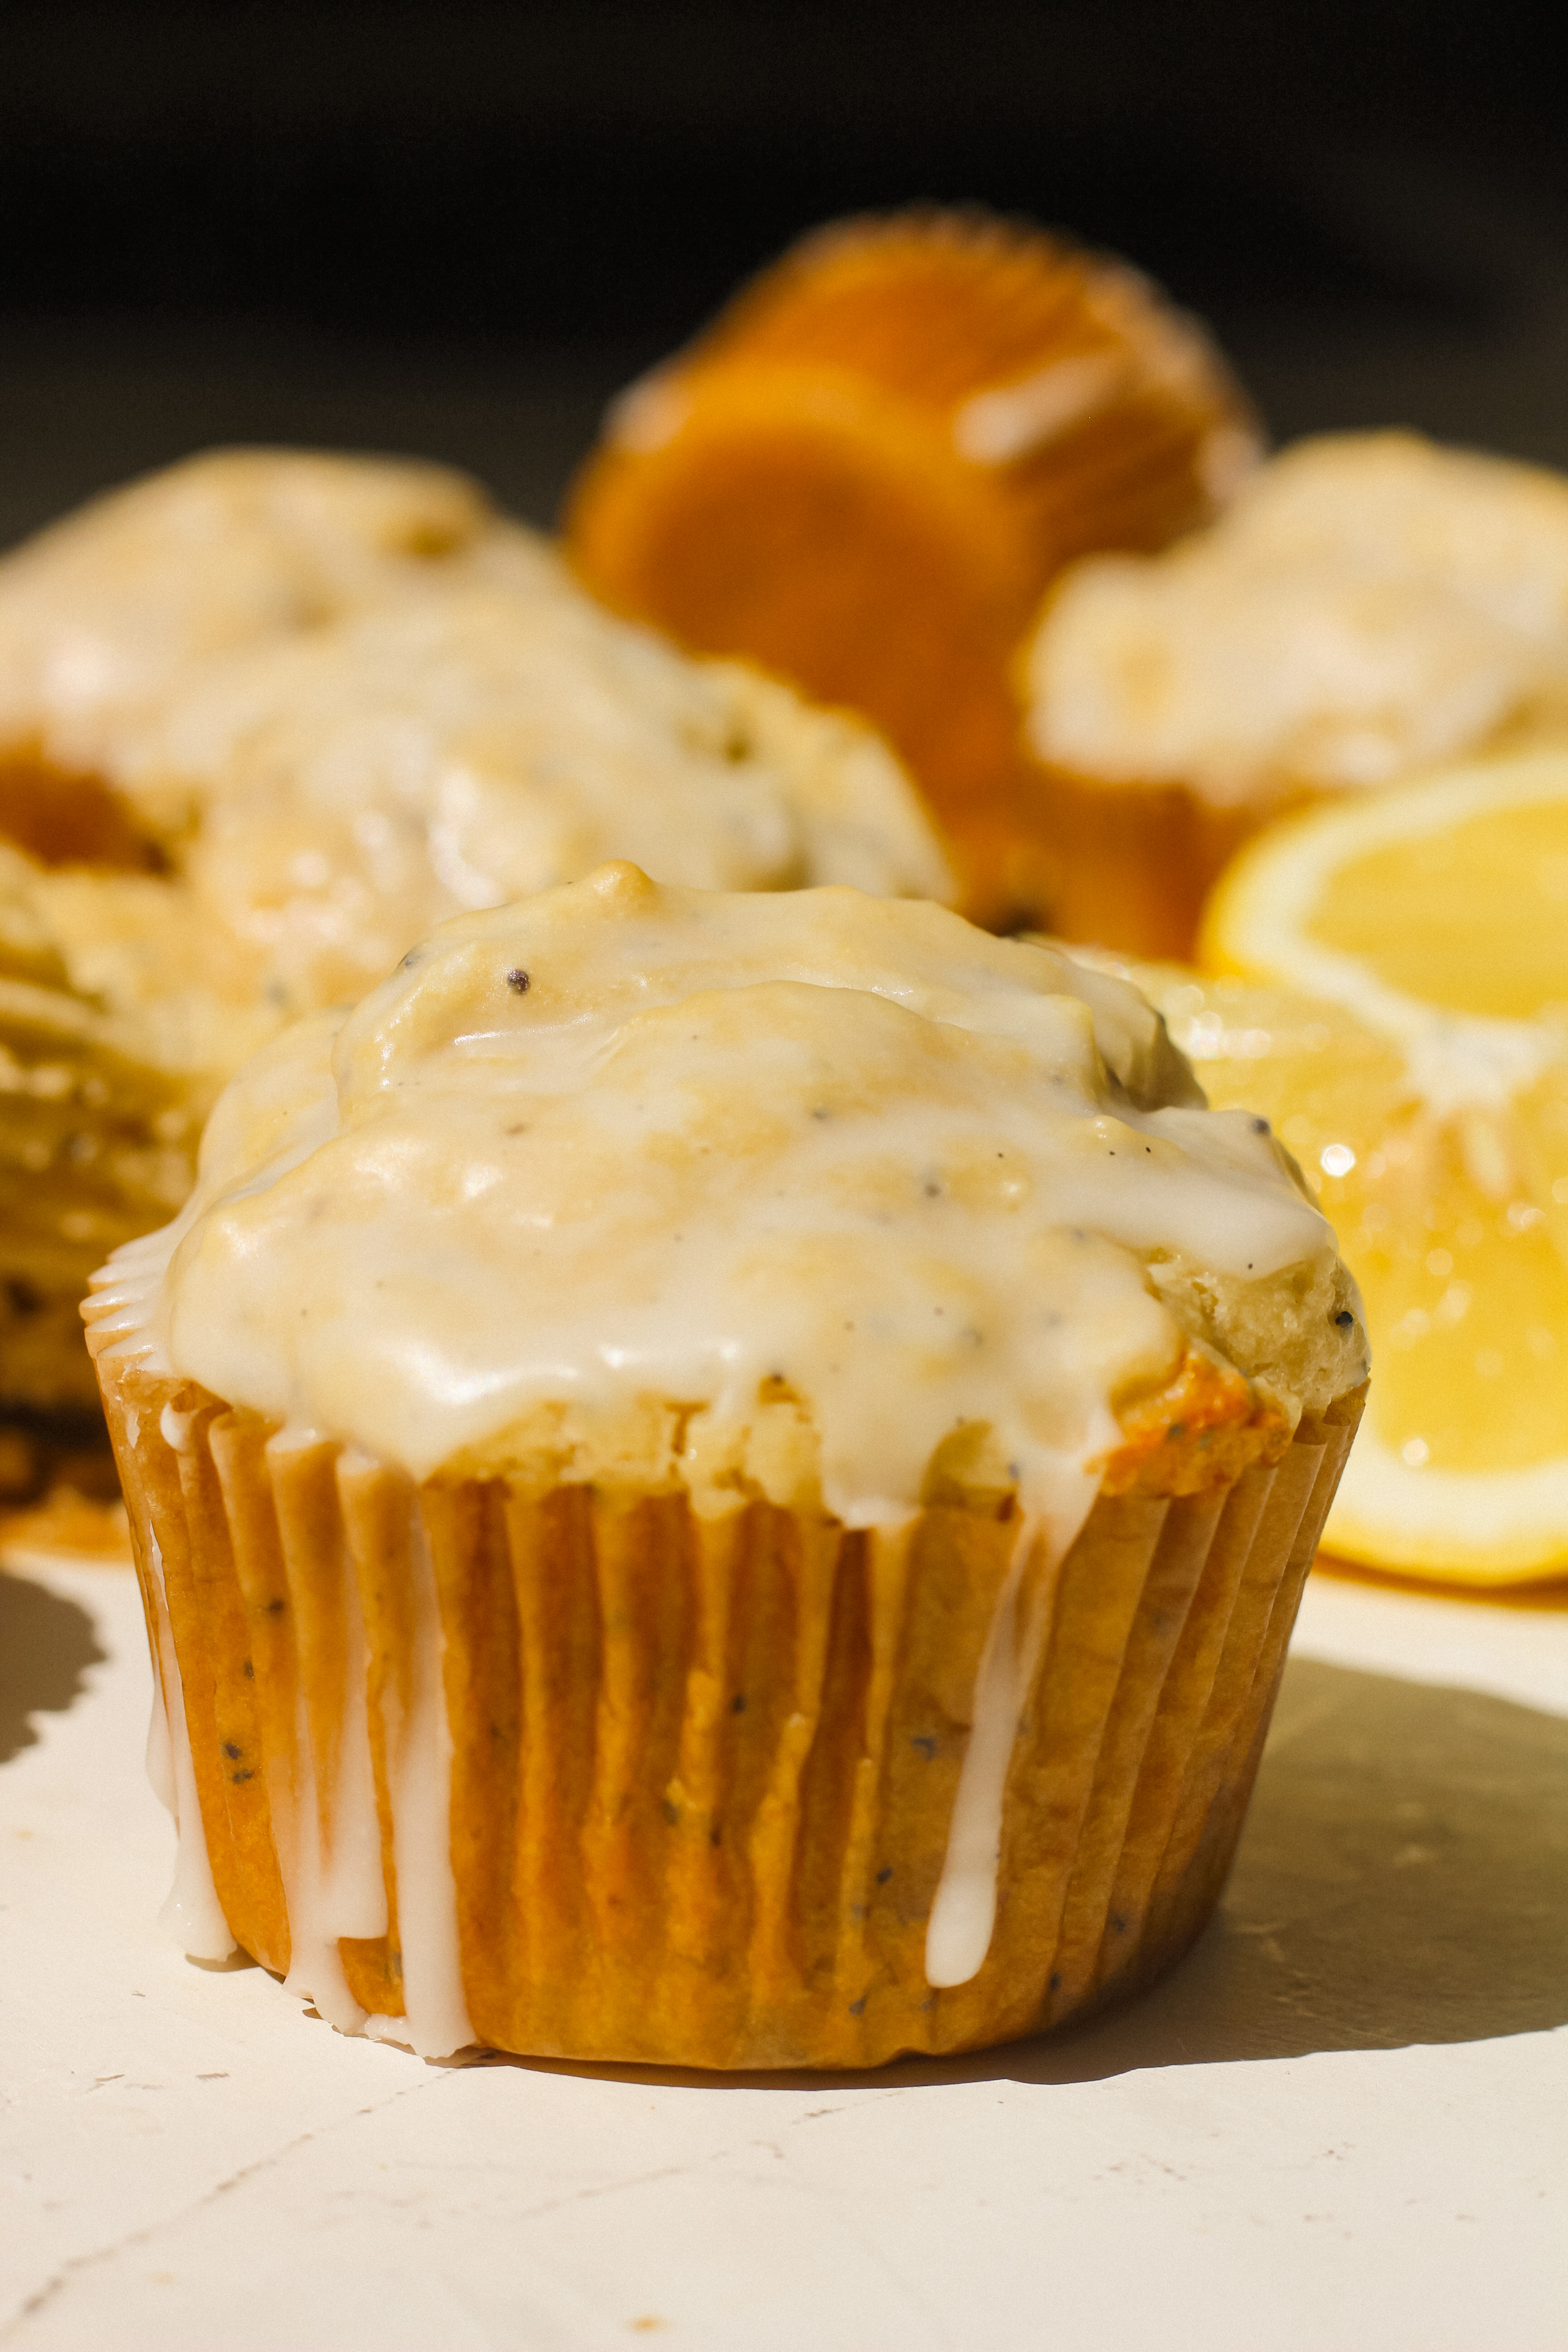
(117, 1024)
(296, 614)
(1371, 605)
(269, 716)
(723, 1480)
(865, 471)
(104, 613)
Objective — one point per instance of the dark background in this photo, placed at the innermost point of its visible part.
(456, 228)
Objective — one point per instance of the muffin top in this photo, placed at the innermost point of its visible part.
(309, 705)
(104, 612)
(495, 737)
(815, 1196)
(1370, 602)
(385, 695)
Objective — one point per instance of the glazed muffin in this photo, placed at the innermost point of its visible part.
(270, 717)
(723, 1480)
(865, 471)
(1371, 605)
(107, 611)
(471, 747)
(301, 612)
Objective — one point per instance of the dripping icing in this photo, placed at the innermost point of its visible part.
(328, 1837)
(436, 2019)
(963, 1912)
(192, 1915)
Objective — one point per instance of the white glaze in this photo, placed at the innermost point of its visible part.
(1370, 605)
(160, 1755)
(468, 748)
(419, 1769)
(714, 1145)
(329, 1854)
(191, 1913)
(865, 1138)
(104, 612)
(348, 699)
(1012, 421)
(963, 1912)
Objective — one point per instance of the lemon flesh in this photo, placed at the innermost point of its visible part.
(1398, 1008)
(1471, 919)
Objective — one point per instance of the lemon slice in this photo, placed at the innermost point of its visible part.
(1400, 1011)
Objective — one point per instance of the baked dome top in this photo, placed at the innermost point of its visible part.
(331, 700)
(787, 1193)
(104, 612)
(486, 739)
(1370, 602)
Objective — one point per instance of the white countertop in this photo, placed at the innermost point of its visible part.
(1343, 2123)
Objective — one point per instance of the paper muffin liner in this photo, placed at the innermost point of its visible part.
(580, 1773)
(1135, 861)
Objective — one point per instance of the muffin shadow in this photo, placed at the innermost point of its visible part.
(47, 1643)
(1403, 1878)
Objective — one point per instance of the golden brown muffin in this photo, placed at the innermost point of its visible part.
(864, 474)
(118, 1021)
(1370, 606)
(105, 610)
(723, 1481)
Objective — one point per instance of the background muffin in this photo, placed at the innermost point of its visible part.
(865, 472)
(1371, 604)
(107, 611)
(263, 720)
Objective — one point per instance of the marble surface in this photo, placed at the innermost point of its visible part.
(1341, 2123)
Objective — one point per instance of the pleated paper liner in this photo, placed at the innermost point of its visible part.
(1134, 862)
(1108, 414)
(1135, 859)
(583, 1774)
(865, 473)
(94, 1149)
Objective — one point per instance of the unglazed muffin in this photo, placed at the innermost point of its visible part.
(308, 706)
(865, 472)
(1370, 605)
(723, 1480)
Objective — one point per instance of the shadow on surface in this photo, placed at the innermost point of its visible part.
(1482, 1598)
(1403, 1878)
(45, 1645)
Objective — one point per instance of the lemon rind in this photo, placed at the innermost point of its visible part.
(1489, 1529)
(1500, 1527)
(1256, 920)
